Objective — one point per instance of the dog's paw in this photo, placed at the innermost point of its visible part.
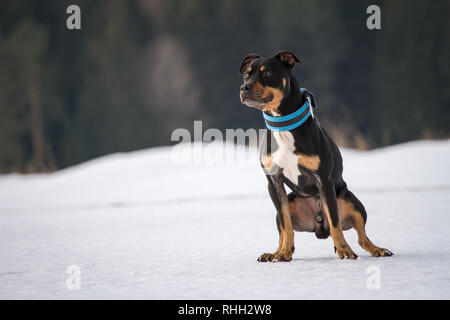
(282, 257)
(265, 257)
(275, 257)
(345, 252)
(381, 252)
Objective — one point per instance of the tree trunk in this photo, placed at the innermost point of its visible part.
(37, 128)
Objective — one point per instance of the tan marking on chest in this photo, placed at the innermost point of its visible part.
(266, 160)
(309, 162)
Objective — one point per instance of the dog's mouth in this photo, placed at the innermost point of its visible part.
(255, 100)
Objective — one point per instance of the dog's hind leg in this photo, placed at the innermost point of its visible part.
(353, 214)
(330, 207)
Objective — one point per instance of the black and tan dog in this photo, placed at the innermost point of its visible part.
(298, 152)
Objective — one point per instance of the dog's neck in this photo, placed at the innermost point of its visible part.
(294, 112)
(292, 101)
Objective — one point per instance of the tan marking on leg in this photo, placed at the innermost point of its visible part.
(286, 240)
(284, 82)
(266, 160)
(309, 162)
(286, 244)
(359, 225)
(342, 248)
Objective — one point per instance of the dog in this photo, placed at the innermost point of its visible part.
(299, 153)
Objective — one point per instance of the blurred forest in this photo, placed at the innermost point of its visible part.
(139, 69)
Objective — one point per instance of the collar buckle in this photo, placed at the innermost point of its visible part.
(310, 106)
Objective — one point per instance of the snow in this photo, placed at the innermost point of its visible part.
(142, 225)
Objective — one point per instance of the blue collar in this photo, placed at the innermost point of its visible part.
(295, 119)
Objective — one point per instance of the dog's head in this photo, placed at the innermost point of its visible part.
(266, 80)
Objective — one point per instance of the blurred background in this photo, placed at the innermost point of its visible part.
(137, 70)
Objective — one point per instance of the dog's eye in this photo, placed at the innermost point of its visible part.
(246, 75)
(267, 74)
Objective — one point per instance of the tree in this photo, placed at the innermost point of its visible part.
(411, 72)
(22, 100)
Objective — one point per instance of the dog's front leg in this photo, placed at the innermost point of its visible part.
(284, 225)
(328, 198)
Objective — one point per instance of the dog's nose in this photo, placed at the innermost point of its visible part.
(246, 87)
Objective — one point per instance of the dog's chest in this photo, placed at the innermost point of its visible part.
(284, 157)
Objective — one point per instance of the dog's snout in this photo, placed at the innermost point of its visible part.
(246, 87)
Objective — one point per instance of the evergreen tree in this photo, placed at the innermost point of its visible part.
(411, 73)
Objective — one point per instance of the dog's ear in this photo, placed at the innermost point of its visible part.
(247, 60)
(288, 58)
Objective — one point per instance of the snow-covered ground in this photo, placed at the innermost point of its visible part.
(141, 225)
